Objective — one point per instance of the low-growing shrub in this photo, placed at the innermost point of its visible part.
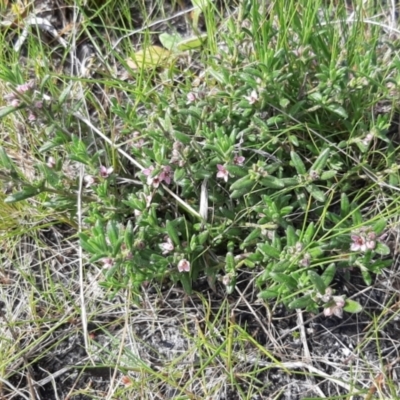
(268, 160)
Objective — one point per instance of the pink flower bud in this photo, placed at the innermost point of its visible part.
(184, 266)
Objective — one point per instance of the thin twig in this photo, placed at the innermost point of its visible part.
(303, 336)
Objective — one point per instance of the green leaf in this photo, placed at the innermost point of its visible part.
(5, 161)
(87, 245)
(99, 238)
(170, 41)
(181, 137)
(378, 265)
(289, 182)
(382, 249)
(339, 110)
(242, 183)
(356, 216)
(271, 182)
(201, 4)
(112, 233)
(254, 235)
(22, 195)
(333, 217)
(298, 163)
(128, 236)
(229, 263)
(186, 282)
(366, 276)
(285, 279)
(286, 210)
(193, 42)
(269, 251)
(308, 234)
(150, 57)
(50, 175)
(315, 252)
(318, 194)
(352, 306)
(329, 273)
(344, 205)
(268, 294)
(302, 200)
(281, 266)
(325, 176)
(320, 162)
(239, 193)
(236, 170)
(291, 237)
(283, 103)
(172, 233)
(317, 281)
(4, 111)
(379, 226)
(301, 302)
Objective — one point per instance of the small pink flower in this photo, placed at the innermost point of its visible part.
(335, 307)
(357, 243)
(222, 173)
(15, 103)
(107, 262)
(39, 104)
(371, 240)
(151, 180)
(314, 175)
(105, 172)
(155, 180)
(253, 98)
(238, 160)
(363, 240)
(89, 180)
(51, 162)
(31, 117)
(165, 175)
(25, 87)
(167, 246)
(184, 266)
(191, 97)
(9, 96)
(306, 260)
(327, 297)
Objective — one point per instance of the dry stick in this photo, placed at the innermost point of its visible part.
(303, 336)
(81, 274)
(26, 363)
(307, 354)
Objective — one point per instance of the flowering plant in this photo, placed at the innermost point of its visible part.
(207, 185)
